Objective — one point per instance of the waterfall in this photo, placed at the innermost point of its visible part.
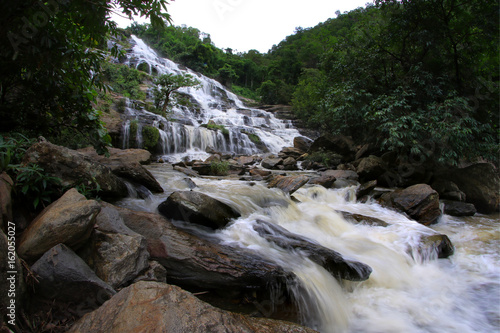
(186, 135)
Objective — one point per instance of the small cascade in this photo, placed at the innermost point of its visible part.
(246, 130)
(126, 134)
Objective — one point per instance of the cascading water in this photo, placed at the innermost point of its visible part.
(409, 289)
(249, 131)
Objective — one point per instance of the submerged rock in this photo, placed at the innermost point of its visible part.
(159, 307)
(331, 260)
(69, 220)
(198, 208)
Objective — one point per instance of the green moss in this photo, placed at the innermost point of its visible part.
(253, 137)
(150, 135)
(215, 127)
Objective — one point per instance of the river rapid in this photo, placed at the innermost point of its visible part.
(409, 290)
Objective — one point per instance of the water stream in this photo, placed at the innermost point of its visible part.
(407, 291)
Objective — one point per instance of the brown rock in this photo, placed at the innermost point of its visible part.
(370, 168)
(75, 168)
(341, 174)
(324, 180)
(302, 143)
(288, 184)
(69, 220)
(198, 208)
(260, 172)
(420, 202)
(158, 307)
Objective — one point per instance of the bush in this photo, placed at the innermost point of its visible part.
(219, 168)
(150, 135)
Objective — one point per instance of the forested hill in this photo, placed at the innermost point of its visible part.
(415, 77)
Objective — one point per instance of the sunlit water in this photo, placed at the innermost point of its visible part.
(406, 292)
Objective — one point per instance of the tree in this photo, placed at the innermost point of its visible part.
(167, 84)
(50, 63)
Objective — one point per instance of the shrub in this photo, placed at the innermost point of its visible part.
(150, 135)
(219, 168)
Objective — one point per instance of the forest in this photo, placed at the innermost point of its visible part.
(415, 77)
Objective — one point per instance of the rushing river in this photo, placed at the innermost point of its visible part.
(408, 291)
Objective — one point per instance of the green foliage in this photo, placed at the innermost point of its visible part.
(125, 80)
(253, 137)
(150, 135)
(326, 158)
(167, 85)
(31, 183)
(216, 127)
(219, 168)
(50, 63)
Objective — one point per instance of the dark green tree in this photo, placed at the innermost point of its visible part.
(50, 63)
(167, 85)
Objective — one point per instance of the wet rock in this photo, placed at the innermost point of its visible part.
(359, 218)
(341, 174)
(64, 276)
(246, 160)
(159, 307)
(435, 245)
(290, 163)
(260, 172)
(193, 261)
(370, 167)
(324, 180)
(271, 162)
(366, 188)
(202, 168)
(6, 185)
(420, 202)
(290, 152)
(448, 190)
(458, 208)
(480, 183)
(302, 143)
(75, 168)
(69, 220)
(187, 171)
(331, 260)
(288, 184)
(198, 208)
(124, 156)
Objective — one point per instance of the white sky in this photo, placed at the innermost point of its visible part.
(253, 24)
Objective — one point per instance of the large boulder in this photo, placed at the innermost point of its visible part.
(128, 165)
(323, 180)
(480, 183)
(339, 144)
(193, 261)
(420, 202)
(458, 208)
(329, 259)
(448, 190)
(302, 143)
(75, 169)
(341, 174)
(288, 184)
(271, 162)
(64, 276)
(116, 253)
(6, 185)
(370, 168)
(159, 307)
(199, 208)
(69, 220)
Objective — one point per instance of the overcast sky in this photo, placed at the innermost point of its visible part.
(253, 24)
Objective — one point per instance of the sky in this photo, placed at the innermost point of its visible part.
(252, 24)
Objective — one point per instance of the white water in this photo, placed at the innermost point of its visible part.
(185, 137)
(406, 292)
